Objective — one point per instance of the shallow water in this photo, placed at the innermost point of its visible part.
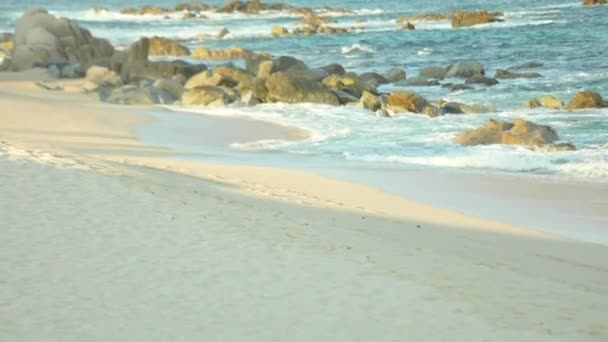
(568, 38)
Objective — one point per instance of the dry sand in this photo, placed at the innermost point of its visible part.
(107, 239)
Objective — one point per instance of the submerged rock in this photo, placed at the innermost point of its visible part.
(548, 101)
(395, 75)
(408, 27)
(519, 132)
(481, 79)
(420, 82)
(461, 108)
(279, 31)
(587, 99)
(374, 78)
(527, 65)
(506, 74)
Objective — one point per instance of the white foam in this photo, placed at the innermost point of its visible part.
(357, 49)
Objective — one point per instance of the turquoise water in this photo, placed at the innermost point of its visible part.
(568, 38)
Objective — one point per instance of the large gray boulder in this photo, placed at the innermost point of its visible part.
(134, 95)
(465, 69)
(41, 38)
(132, 63)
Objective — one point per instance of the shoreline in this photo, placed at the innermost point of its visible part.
(152, 234)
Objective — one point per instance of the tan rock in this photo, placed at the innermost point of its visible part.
(205, 96)
(519, 132)
(548, 101)
(400, 101)
(350, 84)
(278, 31)
(586, 99)
(160, 46)
(465, 19)
(102, 76)
(290, 88)
(210, 78)
(234, 52)
(370, 101)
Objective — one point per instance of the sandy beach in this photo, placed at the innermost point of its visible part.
(107, 238)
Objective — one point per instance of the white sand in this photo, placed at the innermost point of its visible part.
(99, 250)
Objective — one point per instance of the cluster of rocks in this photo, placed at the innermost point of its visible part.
(582, 99)
(594, 2)
(6, 44)
(519, 132)
(195, 9)
(458, 18)
(233, 52)
(313, 24)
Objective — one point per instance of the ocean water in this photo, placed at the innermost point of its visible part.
(568, 38)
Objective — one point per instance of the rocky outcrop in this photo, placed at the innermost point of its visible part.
(594, 2)
(506, 74)
(458, 18)
(315, 20)
(41, 38)
(160, 46)
(234, 52)
(586, 99)
(466, 19)
(519, 132)
(370, 101)
(465, 69)
(289, 88)
(548, 101)
(402, 101)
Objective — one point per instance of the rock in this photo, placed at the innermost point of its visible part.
(456, 87)
(435, 72)
(209, 78)
(173, 87)
(461, 108)
(506, 74)
(334, 69)
(72, 71)
(481, 79)
(344, 97)
(160, 46)
(520, 132)
(236, 74)
(248, 99)
(253, 65)
(205, 96)
(373, 78)
(133, 95)
(548, 101)
(420, 82)
(465, 19)
(102, 76)
(132, 63)
(289, 88)
(594, 2)
(54, 71)
(234, 52)
(394, 75)
(158, 69)
(290, 65)
(370, 101)
(279, 31)
(586, 99)
(315, 20)
(6, 42)
(257, 86)
(223, 33)
(40, 37)
(408, 27)
(401, 101)
(527, 65)
(350, 84)
(465, 69)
